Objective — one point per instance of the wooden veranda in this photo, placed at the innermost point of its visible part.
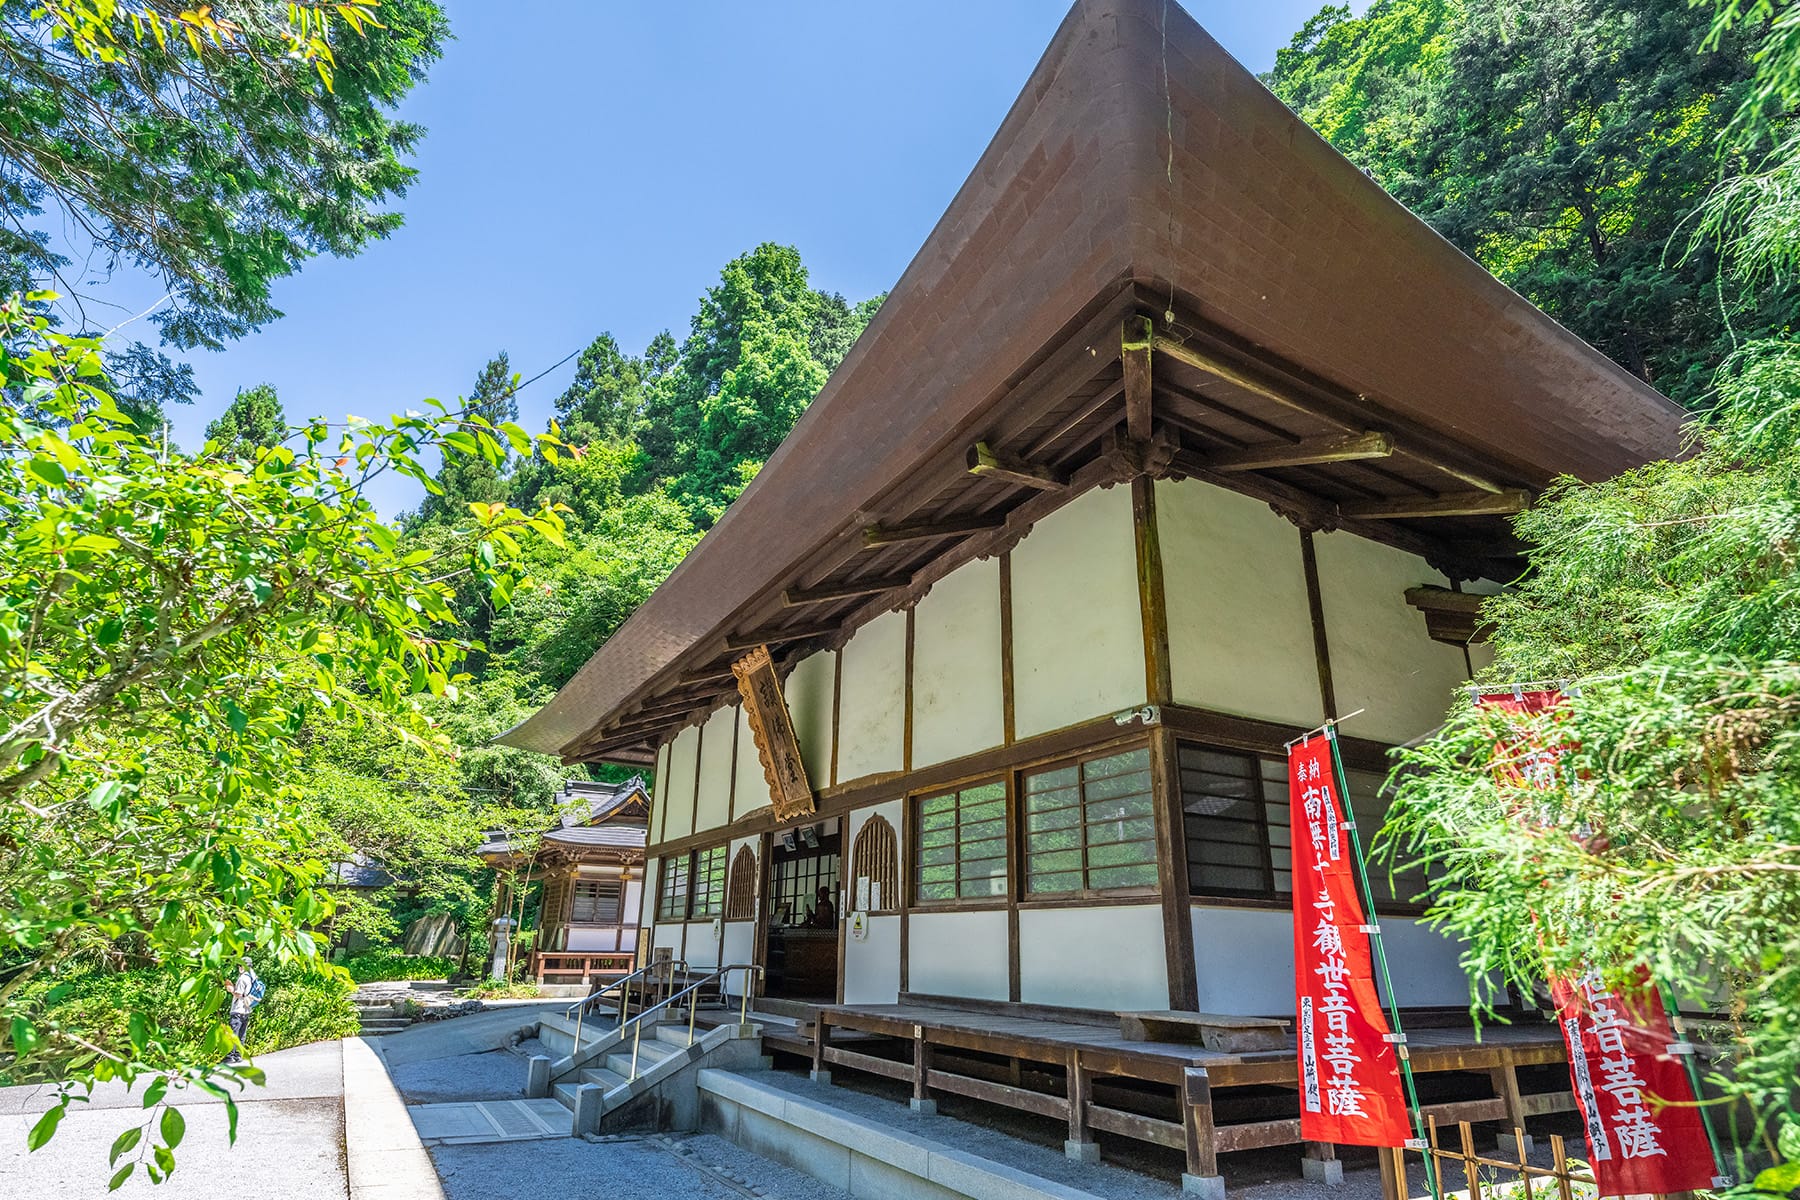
(1076, 1066)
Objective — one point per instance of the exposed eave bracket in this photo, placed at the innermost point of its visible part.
(1459, 504)
(1350, 447)
(991, 464)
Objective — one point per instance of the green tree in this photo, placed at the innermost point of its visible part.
(465, 478)
(606, 398)
(746, 374)
(253, 420)
(1564, 145)
(216, 147)
(1668, 836)
(167, 623)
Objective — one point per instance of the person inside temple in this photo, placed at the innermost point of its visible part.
(825, 915)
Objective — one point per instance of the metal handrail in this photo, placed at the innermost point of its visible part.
(692, 992)
(580, 1007)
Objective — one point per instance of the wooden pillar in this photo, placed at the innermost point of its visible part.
(921, 1097)
(1393, 1173)
(1195, 1097)
(1315, 603)
(821, 1040)
(1506, 1087)
(1171, 834)
(1081, 1145)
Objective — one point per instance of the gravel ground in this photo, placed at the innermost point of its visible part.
(494, 1075)
(627, 1168)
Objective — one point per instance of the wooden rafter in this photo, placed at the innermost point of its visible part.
(1254, 382)
(919, 531)
(1350, 447)
(992, 464)
(823, 593)
(799, 633)
(1457, 504)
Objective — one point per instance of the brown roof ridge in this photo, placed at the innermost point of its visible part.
(1248, 222)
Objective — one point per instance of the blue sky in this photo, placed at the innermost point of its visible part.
(591, 166)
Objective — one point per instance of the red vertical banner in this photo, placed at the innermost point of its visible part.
(1349, 1070)
(1644, 1133)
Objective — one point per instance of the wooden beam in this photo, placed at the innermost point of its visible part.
(991, 464)
(919, 531)
(1349, 447)
(750, 641)
(1457, 504)
(1135, 339)
(1251, 380)
(826, 592)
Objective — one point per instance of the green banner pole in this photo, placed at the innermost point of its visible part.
(1387, 979)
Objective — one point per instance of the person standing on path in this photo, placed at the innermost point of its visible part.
(246, 993)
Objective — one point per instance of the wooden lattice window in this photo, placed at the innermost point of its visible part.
(1090, 826)
(672, 896)
(960, 845)
(875, 857)
(740, 892)
(709, 884)
(596, 902)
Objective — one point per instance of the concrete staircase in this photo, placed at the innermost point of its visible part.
(596, 1083)
(381, 1016)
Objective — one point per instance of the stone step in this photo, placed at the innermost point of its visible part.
(650, 1052)
(605, 1078)
(677, 1035)
(384, 1025)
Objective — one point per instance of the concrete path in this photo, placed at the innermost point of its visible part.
(291, 1138)
(469, 1123)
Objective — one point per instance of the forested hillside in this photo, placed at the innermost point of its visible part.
(1564, 144)
(658, 443)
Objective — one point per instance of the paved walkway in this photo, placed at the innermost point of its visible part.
(290, 1138)
(331, 1124)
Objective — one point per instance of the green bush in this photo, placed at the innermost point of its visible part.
(300, 1005)
(376, 966)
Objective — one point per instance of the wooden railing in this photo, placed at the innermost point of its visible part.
(1461, 1169)
(580, 966)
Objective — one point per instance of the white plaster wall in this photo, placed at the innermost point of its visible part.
(1424, 965)
(740, 947)
(809, 688)
(703, 944)
(872, 966)
(715, 769)
(1240, 630)
(958, 703)
(631, 904)
(596, 939)
(872, 699)
(1107, 958)
(1381, 659)
(1244, 961)
(749, 788)
(659, 793)
(1078, 641)
(958, 954)
(677, 785)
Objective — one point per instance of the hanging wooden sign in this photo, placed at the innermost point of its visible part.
(773, 730)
